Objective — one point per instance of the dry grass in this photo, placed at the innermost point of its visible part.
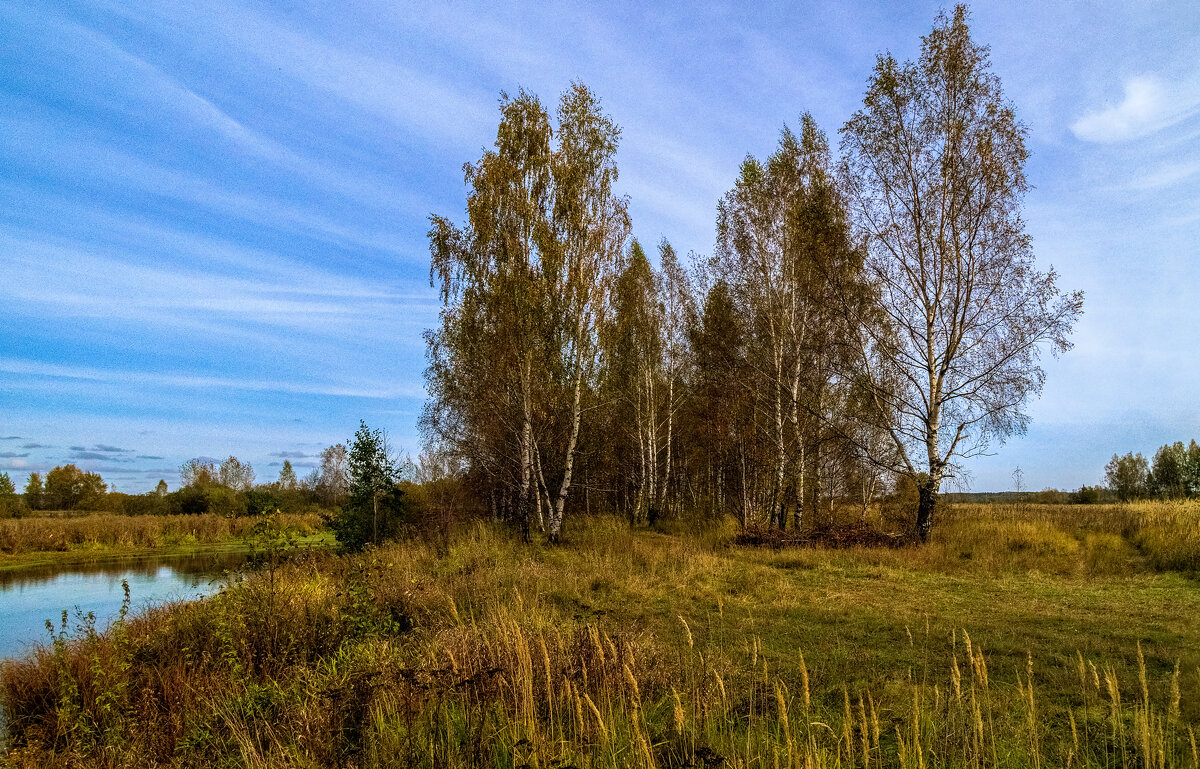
(57, 534)
(641, 649)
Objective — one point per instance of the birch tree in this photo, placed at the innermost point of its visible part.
(934, 171)
(722, 453)
(590, 228)
(634, 373)
(781, 243)
(524, 284)
(679, 314)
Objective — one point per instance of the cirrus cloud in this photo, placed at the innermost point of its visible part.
(1148, 105)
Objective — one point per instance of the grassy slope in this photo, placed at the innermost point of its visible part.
(852, 612)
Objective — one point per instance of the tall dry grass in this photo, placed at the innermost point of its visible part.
(489, 652)
(24, 535)
(1066, 540)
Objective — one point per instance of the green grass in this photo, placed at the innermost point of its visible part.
(644, 648)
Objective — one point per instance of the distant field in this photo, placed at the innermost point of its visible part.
(62, 537)
(1019, 636)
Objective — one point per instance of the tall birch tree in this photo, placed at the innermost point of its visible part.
(781, 242)
(524, 284)
(934, 169)
(634, 374)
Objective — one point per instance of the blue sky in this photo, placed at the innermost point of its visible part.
(213, 215)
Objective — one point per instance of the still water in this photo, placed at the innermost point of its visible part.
(31, 596)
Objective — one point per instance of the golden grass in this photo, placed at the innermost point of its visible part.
(58, 534)
(641, 649)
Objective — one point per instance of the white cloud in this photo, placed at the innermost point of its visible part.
(417, 101)
(188, 381)
(141, 86)
(1167, 175)
(1149, 105)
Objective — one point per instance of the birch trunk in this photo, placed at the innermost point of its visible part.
(777, 511)
(798, 513)
(524, 508)
(670, 427)
(556, 515)
(652, 446)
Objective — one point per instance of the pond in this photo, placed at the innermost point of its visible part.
(29, 597)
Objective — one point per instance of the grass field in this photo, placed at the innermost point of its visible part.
(1020, 636)
(49, 540)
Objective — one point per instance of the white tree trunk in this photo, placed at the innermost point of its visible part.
(670, 426)
(556, 514)
(523, 501)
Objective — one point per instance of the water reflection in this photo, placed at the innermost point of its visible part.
(206, 563)
(29, 597)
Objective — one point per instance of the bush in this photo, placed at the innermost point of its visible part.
(1086, 495)
(12, 506)
(360, 522)
(209, 498)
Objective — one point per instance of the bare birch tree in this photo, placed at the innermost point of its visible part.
(934, 170)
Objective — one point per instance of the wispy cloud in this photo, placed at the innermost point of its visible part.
(12, 455)
(202, 382)
(1167, 175)
(102, 456)
(108, 167)
(1149, 105)
(11, 438)
(94, 281)
(291, 455)
(135, 82)
(422, 103)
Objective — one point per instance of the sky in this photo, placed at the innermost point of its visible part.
(213, 214)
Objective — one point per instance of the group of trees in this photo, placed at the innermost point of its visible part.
(862, 319)
(1173, 474)
(227, 488)
(866, 321)
(66, 487)
(363, 492)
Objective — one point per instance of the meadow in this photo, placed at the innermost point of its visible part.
(1020, 635)
(62, 537)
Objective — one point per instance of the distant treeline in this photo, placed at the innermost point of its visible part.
(1174, 473)
(227, 489)
(361, 492)
(1084, 495)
